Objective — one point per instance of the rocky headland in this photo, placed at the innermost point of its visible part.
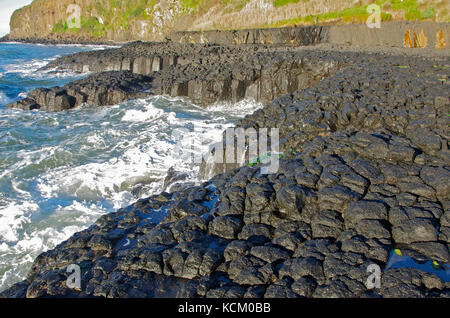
(205, 73)
(363, 177)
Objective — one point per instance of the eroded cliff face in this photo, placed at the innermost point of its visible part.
(154, 20)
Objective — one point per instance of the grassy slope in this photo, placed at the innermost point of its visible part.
(408, 9)
(102, 16)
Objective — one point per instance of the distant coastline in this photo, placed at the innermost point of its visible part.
(6, 38)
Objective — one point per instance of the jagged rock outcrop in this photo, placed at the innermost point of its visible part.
(123, 21)
(395, 103)
(366, 172)
(205, 73)
(106, 88)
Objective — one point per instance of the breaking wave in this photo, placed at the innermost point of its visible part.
(60, 171)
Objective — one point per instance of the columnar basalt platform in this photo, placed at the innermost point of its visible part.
(365, 172)
(205, 73)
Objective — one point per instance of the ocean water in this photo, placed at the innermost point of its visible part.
(60, 171)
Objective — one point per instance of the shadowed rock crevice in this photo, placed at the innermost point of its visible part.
(206, 74)
(365, 173)
(107, 88)
(394, 112)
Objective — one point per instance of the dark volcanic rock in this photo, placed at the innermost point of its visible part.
(364, 171)
(205, 73)
(108, 88)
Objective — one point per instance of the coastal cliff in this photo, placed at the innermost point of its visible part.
(154, 20)
(219, 69)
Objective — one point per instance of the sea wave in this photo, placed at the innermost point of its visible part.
(61, 171)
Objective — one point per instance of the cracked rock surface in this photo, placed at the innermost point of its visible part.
(204, 73)
(365, 172)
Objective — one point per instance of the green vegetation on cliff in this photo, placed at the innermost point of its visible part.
(117, 15)
(410, 10)
(126, 20)
(144, 10)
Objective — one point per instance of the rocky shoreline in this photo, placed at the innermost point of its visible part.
(205, 73)
(364, 177)
(8, 39)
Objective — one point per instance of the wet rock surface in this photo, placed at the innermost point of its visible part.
(365, 171)
(204, 73)
(105, 88)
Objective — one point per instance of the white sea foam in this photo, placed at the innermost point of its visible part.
(31, 68)
(3, 98)
(149, 113)
(27, 68)
(13, 218)
(246, 106)
(75, 166)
